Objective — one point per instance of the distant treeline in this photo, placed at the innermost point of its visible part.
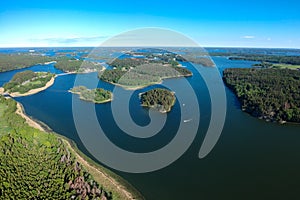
(272, 94)
(17, 61)
(293, 60)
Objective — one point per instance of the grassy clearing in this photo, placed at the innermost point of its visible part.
(286, 66)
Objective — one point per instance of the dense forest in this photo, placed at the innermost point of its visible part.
(143, 75)
(160, 99)
(67, 64)
(293, 60)
(24, 81)
(17, 61)
(271, 94)
(38, 165)
(97, 95)
(111, 76)
(127, 63)
(204, 60)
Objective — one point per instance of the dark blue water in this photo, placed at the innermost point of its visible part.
(252, 160)
(5, 77)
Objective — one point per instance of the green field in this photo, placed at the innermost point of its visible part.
(286, 66)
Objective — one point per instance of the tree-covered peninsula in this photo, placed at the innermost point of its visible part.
(39, 165)
(28, 82)
(138, 73)
(67, 64)
(97, 95)
(160, 99)
(270, 94)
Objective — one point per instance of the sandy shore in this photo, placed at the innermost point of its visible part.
(83, 99)
(1, 90)
(135, 87)
(149, 84)
(34, 91)
(29, 121)
(100, 176)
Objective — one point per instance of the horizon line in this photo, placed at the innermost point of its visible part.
(232, 47)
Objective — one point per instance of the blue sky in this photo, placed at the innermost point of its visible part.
(231, 23)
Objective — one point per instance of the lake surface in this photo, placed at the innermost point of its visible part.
(253, 159)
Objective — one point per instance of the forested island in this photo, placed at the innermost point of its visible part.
(159, 99)
(28, 83)
(270, 94)
(138, 73)
(67, 64)
(193, 55)
(39, 165)
(97, 95)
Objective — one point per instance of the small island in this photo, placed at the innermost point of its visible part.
(97, 95)
(159, 99)
(270, 94)
(28, 82)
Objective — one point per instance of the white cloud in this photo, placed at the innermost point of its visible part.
(248, 37)
(68, 41)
